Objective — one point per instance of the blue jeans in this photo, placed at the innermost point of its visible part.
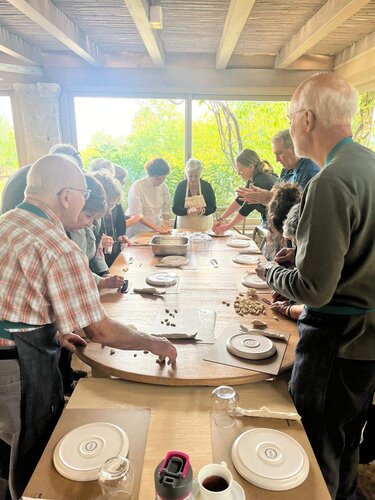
(332, 395)
(10, 416)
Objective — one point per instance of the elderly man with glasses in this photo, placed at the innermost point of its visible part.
(333, 378)
(47, 287)
(295, 169)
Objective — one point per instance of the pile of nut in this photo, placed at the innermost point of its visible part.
(244, 305)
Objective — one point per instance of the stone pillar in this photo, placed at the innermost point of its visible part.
(38, 111)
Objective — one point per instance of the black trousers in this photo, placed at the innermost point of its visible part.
(332, 395)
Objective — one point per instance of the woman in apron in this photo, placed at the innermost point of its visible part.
(149, 197)
(194, 200)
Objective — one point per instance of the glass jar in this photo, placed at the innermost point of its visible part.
(116, 478)
(224, 404)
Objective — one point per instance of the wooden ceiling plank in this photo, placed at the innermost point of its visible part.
(15, 46)
(363, 48)
(357, 62)
(139, 10)
(53, 20)
(25, 70)
(326, 20)
(235, 21)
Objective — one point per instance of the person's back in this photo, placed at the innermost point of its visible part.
(13, 192)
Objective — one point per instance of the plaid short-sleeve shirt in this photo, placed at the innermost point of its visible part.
(44, 276)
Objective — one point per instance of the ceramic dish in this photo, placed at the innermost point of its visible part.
(175, 260)
(80, 453)
(221, 235)
(245, 259)
(161, 279)
(250, 346)
(253, 281)
(270, 459)
(238, 243)
(237, 492)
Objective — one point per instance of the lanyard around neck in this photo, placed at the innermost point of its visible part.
(33, 209)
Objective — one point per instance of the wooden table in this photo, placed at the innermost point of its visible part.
(204, 286)
(180, 420)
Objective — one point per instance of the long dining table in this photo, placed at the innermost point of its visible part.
(200, 284)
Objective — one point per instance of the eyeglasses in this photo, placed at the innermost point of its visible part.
(289, 117)
(85, 192)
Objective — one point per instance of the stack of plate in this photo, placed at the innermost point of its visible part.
(80, 453)
(238, 243)
(253, 281)
(270, 459)
(251, 346)
(161, 279)
(245, 259)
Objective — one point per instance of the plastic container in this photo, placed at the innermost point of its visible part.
(173, 477)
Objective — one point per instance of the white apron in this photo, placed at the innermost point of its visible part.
(194, 222)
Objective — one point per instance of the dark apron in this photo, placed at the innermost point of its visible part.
(42, 397)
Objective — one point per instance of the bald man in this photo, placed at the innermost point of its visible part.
(333, 378)
(47, 286)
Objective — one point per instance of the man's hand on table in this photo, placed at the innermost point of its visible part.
(163, 348)
(262, 268)
(70, 340)
(111, 281)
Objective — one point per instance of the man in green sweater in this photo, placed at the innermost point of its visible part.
(333, 378)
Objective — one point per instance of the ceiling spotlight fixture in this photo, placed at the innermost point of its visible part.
(156, 17)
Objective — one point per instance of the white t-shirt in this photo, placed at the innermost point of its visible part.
(150, 201)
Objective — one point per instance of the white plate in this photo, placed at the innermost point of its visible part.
(270, 459)
(253, 281)
(238, 243)
(245, 259)
(161, 279)
(250, 346)
(221, 235)
(237, 492)
(80, 453)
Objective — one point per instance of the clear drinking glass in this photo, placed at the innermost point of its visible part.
(116, 478)
(206, 324)
(224, 404)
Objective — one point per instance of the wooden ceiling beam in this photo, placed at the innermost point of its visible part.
(235, 21)
(326, 20)
(140, 12)
(25, 70)
(15, 46)
(53, 20)
(357, 62)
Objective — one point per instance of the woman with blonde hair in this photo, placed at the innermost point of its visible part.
(255, 172)
(194, 199)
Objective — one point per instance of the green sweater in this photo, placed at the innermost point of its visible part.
(335, 261)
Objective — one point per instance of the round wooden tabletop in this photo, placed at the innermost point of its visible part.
(200, 285)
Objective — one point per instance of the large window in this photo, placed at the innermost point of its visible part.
(8, 151)
(130, 132)
(221, 129)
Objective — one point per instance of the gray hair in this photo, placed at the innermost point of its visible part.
(52, 173)
(284, 137)
(331, 98)
(102, 164)
(67, 150)
(194, 165)
(291, 222)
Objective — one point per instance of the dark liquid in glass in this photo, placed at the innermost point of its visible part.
(215, 483)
